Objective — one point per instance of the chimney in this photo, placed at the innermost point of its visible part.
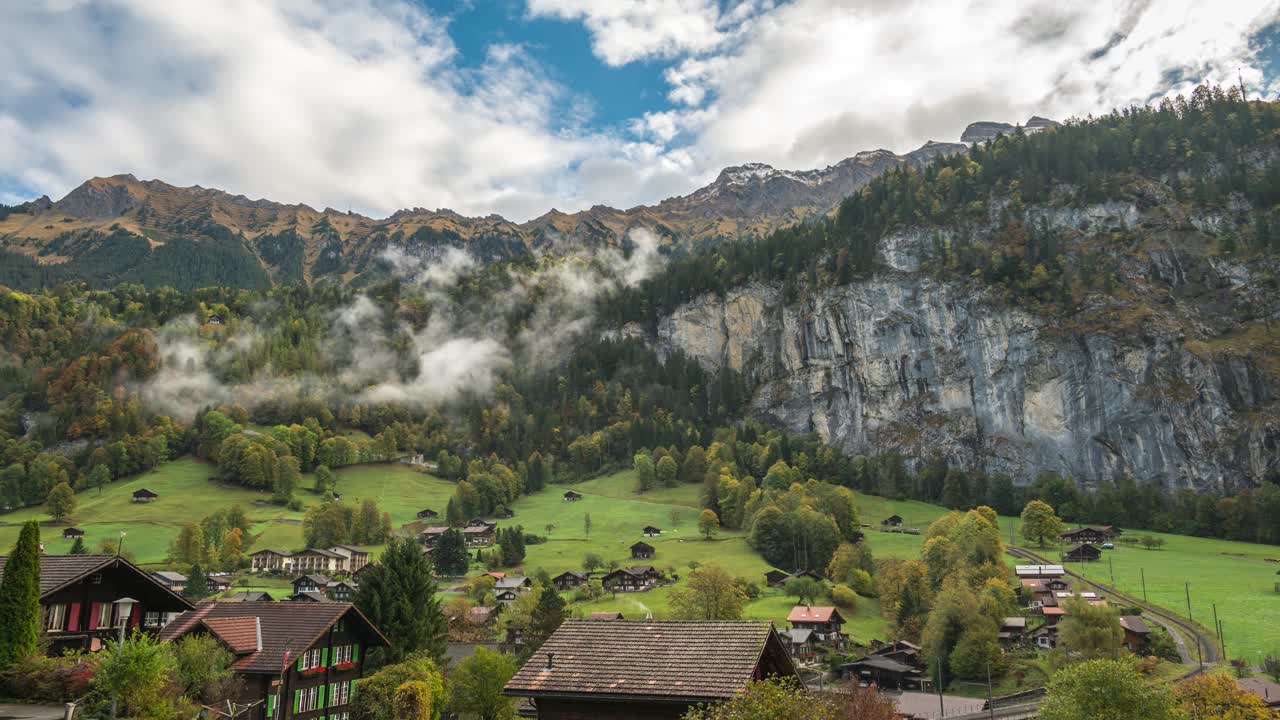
(550, 657)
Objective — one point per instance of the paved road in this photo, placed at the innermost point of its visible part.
(30, 712)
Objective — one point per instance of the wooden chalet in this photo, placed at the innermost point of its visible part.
(1012, 629)
(1112, 532)
(1085, 536)
(1264, 689)
(1136, 633)
(84, 599)
(892, 521)
(642, 551)
(776, 578)
(248, 596)
(1082, 553)
(631, 579)
(903, 652)
(294, 660)
(71, 533)
(826, 622)
(309, 597)
(175, 581)
(505, 598)
(311, 583)
(217, 583)
(886, 673)
(516, 583)
(654, 670)
(481, 522)
(651, 531)
(143, 495)
(427, 514)
(478, 536)
(572, 496)
(430, 536)
(606, 615)
(569, 580)
(799, 643)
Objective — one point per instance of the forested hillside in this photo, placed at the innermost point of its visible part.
(1082, 315)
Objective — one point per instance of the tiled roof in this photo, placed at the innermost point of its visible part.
(433, 531)
(1053, 611)
(58, 571)
(605, 615)
(321, 552)
(474, 530)
(315, 578)
(241, 634)
(170, 576)
(287, 628)
(813, 613)
(1134, 624)
(270, 551)
(667, 660)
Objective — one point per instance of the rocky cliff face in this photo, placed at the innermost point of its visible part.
(909, 362)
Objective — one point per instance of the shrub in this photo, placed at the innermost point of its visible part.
(49, 679)
(845, 597)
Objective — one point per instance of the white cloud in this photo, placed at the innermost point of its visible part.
(627, 30)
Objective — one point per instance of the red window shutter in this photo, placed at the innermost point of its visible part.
(73, 617)
(135, 616)
(93, 615)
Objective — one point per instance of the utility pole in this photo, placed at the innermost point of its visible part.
(1218, 627)
(1222, 636)
(991, 701)
(942, 707)
(1111, 566)
(1199, 650)
(1143, 572)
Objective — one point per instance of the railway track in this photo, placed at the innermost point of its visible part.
(1181, 629)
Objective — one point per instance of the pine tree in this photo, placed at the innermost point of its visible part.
(398, 595)
(550, 611)
(78, 548)
(20, 598)
(197, 583)
(450, 556)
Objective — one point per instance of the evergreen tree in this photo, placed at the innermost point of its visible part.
(20, 598)
(78, 548)
(197, 583)
(450, 555)
(398, 595)
(548, 614)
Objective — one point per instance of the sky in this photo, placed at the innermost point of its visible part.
(519, 106)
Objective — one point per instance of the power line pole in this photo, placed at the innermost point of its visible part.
(1143, 572)
(942, 707)
(1199, 649)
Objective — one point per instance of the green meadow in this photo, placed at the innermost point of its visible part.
(1239, 577)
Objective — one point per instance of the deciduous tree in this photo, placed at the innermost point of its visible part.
(1040, 524)
(709, 593)
(1106, 690)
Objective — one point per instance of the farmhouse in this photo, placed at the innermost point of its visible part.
(651, 531)
(430, 536)
(902, 651)
(1012, 629)
(569, 580)
(70, 533)
(885, 672)
(143, 495)
(515, 584)
(84, 599)
(427, 514)
(1085, 536)
(481, 523)
(293, 659)
(478, 536)
(1082, 553)
(176, 582)
(642, 551)
(217, 583)
(653, 670)
(892, 521)
(1136, 634)
(632, 579)
(799, 643)
(572, 496)
(775, 578)
(826, 622)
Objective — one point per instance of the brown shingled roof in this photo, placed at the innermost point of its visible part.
(659, 660)
(287, 628)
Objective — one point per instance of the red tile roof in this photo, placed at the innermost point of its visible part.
(288, 628)
(241, 634)
(662, 660)
(814, 613)
(1053, 611)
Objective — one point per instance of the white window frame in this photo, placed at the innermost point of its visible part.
(310, 659)
(106, 613)
(310, 699)
(55, 617)
(341, 654)
(341, 693)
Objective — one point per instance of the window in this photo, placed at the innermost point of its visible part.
(104, 615)
(310, 659)
(341, 693)
(309, 699)
(341, 654)
(340, 716)
(340, 626)
(55, 617)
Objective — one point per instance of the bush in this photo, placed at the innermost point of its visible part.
(49, 679)
(295, 504)
(860, 582)
(844, 597)
(748, 588)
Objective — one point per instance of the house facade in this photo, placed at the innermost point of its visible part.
(356, 557)
(632, 579)
(81, 600)
(642, 551)
(478, 536)
(826, 622)
(1086, 536)
(294, 660)
(570, 580)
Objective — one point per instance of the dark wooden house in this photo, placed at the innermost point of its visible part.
(651, 670)
(72, 533)
(632, 579)
(775, 578)
(1082, 553)
(1085, 536)
(642, 551)
(481, 522)
(296, 660)
(478, 536)
(892, 521)
(427, 514)
(83, 600)
(569, 580)
(885, 672)
(1136, 633)
(651, 531)
(143, 495)
(572, 496)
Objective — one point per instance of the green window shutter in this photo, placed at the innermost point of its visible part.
(301, 658)
(333, 692)
(297, 701)
(324, 657)
(271, 705)
(355, 652)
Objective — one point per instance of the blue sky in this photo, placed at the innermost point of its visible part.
(518, 106)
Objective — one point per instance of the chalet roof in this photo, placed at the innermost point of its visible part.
(777, 573)
(1134, 624)
(1016, 621)
(288, 629)
(248, 596)
(241, 634)
(660, 660)
(433, 531)
(641, 546)
(605, 615)
(796, 635)
(271, 551)
(170, 576)
(310, 596)
(1261, 687)
(477, 529)
(636, 570)
(1087, 550)
(59, 571)
(651, 528)
(571, 573)
(349, 548)
(511, 583)
(316, 579)
(881, 663)
(572, 493)
(143, 492)
(814, 613)
(1083, 530)
(72, 531)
